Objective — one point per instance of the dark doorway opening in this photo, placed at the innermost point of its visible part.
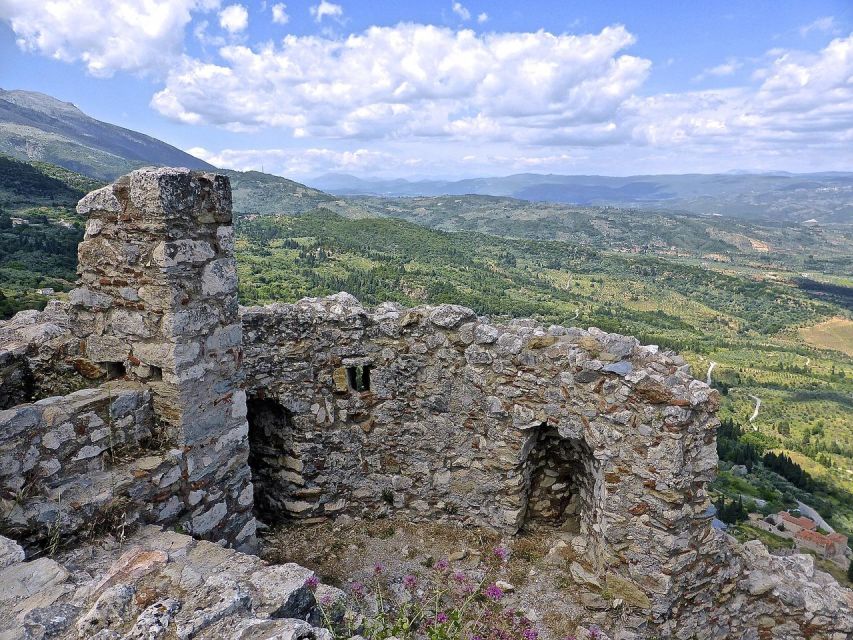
(562, 482)
(275, 471)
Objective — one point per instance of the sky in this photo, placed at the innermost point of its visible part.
(454, 89)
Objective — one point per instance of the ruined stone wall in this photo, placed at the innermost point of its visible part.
(465, 420)
(70, 464)
(40, 358)
(156, 306)
(157, 303)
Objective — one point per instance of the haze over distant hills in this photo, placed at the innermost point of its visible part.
(35, 126)
(38, 127)
(825, 197)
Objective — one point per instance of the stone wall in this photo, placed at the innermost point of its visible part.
(40, 358)
(157, 303)
(469, 421)
(69, 464)
(156, 306)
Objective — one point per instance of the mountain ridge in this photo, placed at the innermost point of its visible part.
(826, 197)
(36, 126)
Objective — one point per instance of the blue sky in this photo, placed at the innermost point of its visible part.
(454, 89)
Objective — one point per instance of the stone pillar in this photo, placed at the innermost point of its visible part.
(157, 302)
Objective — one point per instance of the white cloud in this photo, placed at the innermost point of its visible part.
(803, 104)
(415, 95)
(415, 81)
(105, 35)
(483, 17)
(326, 10)
(234, 18)
(821, 25)
(728, 68)
(461, 11)
(295, 162)
(279, 13)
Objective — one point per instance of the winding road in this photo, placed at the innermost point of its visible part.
(757, 407)
(710, 369)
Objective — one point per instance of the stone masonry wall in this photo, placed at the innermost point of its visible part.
(157, 303)
(69, 464)
(40, 358)
(453, 414)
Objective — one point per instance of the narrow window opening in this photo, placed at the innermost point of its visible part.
(358, 378)
(156, 373)
(115, 370)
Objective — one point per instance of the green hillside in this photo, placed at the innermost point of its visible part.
(38, 127)
(39, 231)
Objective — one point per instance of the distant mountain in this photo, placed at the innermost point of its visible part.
(256, 192)
(35, 126)
(781, 197)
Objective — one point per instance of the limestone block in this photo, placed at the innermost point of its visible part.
(99, 202)
(177, 252)
(106, 348)
(219, 277)
(206, 521)
(448, 316)
(10, 552)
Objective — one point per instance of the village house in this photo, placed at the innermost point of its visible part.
(795, 524)
(818, 542)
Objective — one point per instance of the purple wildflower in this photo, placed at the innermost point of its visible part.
(494, 592)
(378, 568)
(327, 600)
(594, 632)
(312, 582)
(442, 565)
(530, 634)
(409, 581)
(502, 553)
(441, 617)
(357, 589)
(460, 577)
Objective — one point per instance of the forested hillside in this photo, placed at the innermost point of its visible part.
(39, 231)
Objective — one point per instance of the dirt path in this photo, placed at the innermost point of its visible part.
(757, 407)
(710, 369)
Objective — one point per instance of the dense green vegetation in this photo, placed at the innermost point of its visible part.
(745, 324)
(39, 231)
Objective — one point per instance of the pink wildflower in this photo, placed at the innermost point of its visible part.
(494, 592)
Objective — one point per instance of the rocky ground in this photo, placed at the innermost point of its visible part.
(158, 584)
(541, 575)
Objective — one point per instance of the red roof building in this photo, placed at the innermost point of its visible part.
(797, 522)
(817, 541)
